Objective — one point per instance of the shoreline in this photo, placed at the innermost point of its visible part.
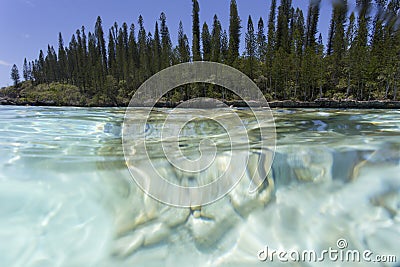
(343, 104)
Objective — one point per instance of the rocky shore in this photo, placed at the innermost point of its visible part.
(373, 104)
(7, 101)
(18, 102)
(344, 104)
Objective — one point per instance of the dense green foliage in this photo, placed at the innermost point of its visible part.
(286, 57)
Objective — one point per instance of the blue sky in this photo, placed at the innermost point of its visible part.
(30, 25)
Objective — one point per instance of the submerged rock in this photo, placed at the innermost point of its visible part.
(142, 221)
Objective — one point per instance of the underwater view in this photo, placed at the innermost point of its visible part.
(67, 197)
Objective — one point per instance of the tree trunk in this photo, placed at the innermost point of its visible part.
(387, 88)
(348, 87)
(270, 82)
(369, 93)
(320, 91)
(312, 92)
(286, 87)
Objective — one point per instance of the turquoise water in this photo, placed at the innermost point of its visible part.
(67, 198)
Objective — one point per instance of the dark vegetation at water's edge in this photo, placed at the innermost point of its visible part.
(285, 57)
(56, 94)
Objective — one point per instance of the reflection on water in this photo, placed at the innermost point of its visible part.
(66, 197)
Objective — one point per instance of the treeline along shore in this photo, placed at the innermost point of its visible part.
(358, 66)
(65, 98)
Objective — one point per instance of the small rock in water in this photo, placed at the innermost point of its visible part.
(196, 214)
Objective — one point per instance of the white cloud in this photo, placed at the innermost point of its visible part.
(4, 63)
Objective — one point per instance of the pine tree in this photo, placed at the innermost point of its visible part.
(320, 67)
(311, 73)
(297, 48)
(271, 41)
(166, 44)
(144, 68)
(216, 40)
(30, 71)
(25, 71)
(100, 69)
(271, 30)
(133, 48)
(282, 58)
(379, 56)
(349, 52)
(336, 43)
(251, 47)
(72, 56)
(206, 42)
(35, 72)
(298, 33)
(224, 47)
(196, 31)
(50, 65)
(183, 45)
(79, 54)
(282, 30)
(62, 59)
(261, 41)
(292, 21)
(157, 50)
(119, 51)
(336, 28)
(125, 60)
(15, 75)
(40, 68)
(234, 33)
(83, 59)
(312, 23)
(101, 45)
(361, 55)
(94, 61)
(363, 21)
(392, 48)
(183, 55)
(112, 61)
(133, 55)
